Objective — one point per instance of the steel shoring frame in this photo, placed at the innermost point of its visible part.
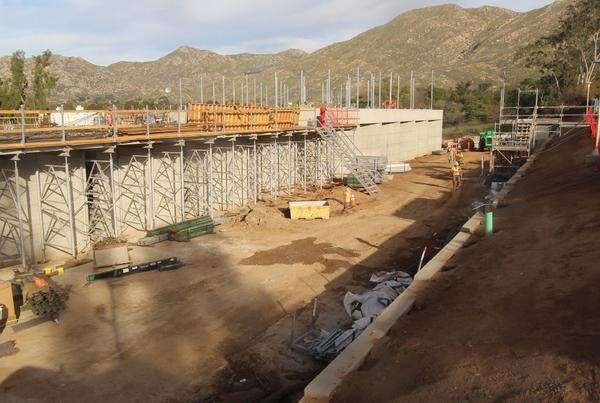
(196, 180)
(13, 226)
(242, 175)
(57, 226)
(284, 164)
(266, 168)
(100, 198)
(166, 187)
(133, 195)
(220, 178)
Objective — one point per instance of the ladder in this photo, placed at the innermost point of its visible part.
(348, 153)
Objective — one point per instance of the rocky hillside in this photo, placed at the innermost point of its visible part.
(458, 43)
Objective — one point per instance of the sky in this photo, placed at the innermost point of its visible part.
(108, 31)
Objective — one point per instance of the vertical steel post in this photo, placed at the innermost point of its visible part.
(412, 90)
(20, 212)
(113, 192)
(62, 123)
(398, 94)
(368, 93)
(358, 87)
(22, 108)
(179, 110)
(147, 123)
(214, 94)
(502, 104)
(150, 179)
(328, 87)
(114, 112)
(431, 90)
(254, 91)
(276, 91)
(70, 206)
(210, 179)
(181, 181)
(391, 85)
(261, 94)
(223, 104)
(201, 90)
(304, 179)
(41, 214)
(255, 169)
(289, 164)
(247, 91)
(379, 90)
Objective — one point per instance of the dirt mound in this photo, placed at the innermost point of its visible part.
(261, 215)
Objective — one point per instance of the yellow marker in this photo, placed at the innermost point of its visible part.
(60, 270)
(47, 270)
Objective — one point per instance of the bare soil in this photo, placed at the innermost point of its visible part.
(515, 316)
(220, 326)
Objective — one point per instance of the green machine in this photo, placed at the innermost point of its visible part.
(485, 140)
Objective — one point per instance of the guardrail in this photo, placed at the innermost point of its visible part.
(26, 126)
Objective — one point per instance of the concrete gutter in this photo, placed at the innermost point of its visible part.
(323, 386)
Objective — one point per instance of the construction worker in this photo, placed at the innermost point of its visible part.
(460, 158)
(347, 197)
(455, 175)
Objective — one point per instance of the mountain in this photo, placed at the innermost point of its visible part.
(457, 43)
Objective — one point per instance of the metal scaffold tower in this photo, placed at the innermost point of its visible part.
(514, 135)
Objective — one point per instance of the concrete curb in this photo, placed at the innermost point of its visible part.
(324, 384)
(322, 387)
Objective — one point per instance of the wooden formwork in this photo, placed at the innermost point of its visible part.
(240, 117)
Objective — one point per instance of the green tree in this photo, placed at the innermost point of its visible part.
(3, 94)
(566, 58)
(43, 82)
(17, 91)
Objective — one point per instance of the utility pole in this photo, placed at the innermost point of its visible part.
(398, 94)
(358, 87)
(201, 91)
(391, 85)
(431, 96)
(379, 95)
(276, 90)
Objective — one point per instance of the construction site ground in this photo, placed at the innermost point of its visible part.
(514, 317)
(220, 326)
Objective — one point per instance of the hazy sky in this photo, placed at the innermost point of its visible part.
(107, 31)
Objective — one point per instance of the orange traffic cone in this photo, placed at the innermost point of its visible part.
(353, 200)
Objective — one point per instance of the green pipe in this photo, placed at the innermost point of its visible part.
(489, 222)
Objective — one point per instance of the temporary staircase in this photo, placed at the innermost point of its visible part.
(349, 154)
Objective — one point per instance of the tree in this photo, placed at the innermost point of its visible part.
(43, 82)
(3, 94)
(18, 83)
(567, 56)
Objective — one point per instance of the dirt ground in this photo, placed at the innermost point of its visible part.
(515, 315)
(220, 326)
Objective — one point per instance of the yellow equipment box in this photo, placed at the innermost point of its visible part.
(309, 210)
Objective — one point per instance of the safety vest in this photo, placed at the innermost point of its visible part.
(455, 170)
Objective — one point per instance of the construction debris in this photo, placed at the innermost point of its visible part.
(43, 296)
(363, 308)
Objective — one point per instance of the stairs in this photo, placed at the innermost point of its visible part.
(350, 156)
